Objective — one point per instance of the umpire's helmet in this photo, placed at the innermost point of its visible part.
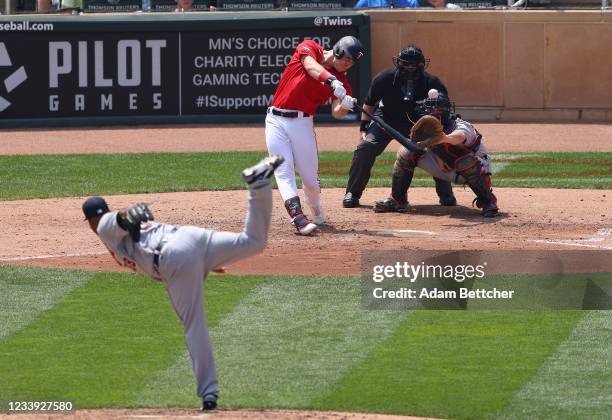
(441, 107)
(410, 63)
(349, 46)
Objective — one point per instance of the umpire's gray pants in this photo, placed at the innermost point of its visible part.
(185, 261)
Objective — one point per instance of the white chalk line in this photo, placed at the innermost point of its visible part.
(600, 236)
(43, 257)
(497, 167)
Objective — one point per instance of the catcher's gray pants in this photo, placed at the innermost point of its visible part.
(430, 164)
(184, 263)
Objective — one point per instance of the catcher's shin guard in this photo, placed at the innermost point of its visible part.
(471, 169)
(302, 225)
(444, 190)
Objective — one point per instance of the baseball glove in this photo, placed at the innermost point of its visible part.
(133, 217)
(427, 132)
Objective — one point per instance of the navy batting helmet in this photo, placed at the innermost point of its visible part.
(349, 46)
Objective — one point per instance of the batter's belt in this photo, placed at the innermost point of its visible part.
(287, 114)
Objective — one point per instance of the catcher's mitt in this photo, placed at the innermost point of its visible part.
(427, 132)
(132, 218)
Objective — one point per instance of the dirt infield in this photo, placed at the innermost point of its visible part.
(571, 137)
(531, 218)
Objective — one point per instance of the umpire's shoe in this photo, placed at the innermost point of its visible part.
(448, 201)
(263, 170)
(209, 402)
(390, 205)
(350, 201)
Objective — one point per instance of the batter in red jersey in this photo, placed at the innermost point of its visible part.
(312, 77)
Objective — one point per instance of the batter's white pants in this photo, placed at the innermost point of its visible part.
(294, 139)
(185, 261)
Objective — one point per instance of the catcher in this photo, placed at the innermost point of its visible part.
(450, 149)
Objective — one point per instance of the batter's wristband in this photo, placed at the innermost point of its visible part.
(363, 125)
(326, 77)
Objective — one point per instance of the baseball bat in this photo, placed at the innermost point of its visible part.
(403, 140)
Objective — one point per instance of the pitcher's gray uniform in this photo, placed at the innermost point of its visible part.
(182, 256)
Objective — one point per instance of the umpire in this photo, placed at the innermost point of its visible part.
(392, 96)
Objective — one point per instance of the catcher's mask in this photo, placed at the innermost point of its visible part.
(410, 63)
(441, 108)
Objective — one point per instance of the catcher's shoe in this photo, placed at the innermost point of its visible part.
(390, 205)
(263, 170)
(448, 201)
(489, 209)
(209, 402)
(302, 225)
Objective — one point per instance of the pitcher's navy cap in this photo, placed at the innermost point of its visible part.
(94, 206)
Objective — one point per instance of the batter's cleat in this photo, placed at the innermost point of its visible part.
(303, 226)
(209, 402)
(318, 217)
(449, 201)
(263, 170)
(390, 205)
(350, 201)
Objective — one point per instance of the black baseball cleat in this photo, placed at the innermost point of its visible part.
(209, 402)
(448, 201)
(263, 170)
(350, 201)
(489, 209)
(390, 205)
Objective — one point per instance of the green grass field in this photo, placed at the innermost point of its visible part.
(81, 175)
(112, 340)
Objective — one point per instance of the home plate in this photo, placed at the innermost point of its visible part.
(405, 233)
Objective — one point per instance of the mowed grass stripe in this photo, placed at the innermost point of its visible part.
(81, 175)
(173, 385)
(576, 381)
(26, 292)
(288, 341)
(42, 176)
(452, 364)
(294, 338)
(97, 348)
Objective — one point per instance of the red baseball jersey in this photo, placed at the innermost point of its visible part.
(297, 90)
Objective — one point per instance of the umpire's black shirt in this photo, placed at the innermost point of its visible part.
(398, 99)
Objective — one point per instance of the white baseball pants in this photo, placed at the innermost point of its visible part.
(295, 140)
